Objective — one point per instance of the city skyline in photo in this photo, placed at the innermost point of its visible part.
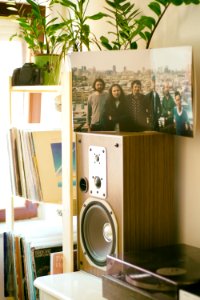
(171, 65)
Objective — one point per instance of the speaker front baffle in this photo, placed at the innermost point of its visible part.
(125, 195)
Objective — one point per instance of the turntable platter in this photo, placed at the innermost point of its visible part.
(148, 282)
(174, 271)
(179, 263)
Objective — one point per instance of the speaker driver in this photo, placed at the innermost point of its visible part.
(98, 231)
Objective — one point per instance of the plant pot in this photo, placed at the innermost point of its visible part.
(50, 66)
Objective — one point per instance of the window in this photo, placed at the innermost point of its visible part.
(12, 55)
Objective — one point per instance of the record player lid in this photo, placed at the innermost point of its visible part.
(179, 263)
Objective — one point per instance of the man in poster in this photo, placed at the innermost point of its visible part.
(154, 103)
(96, 105)
(138, 109)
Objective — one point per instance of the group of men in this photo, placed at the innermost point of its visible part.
(143, 112)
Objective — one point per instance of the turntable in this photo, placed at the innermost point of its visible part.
(159, 273)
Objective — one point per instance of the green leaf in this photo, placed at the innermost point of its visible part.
(105, 43)
(133, 45)
(187, 2)
(134, 14)
(177, 2)
(97, 16)
(127, 7)
(112, 4)
(124, 35)
(66, 3)
(111, 23)
(147, 35)
(117, 46)
(104, 39)
(155, 7)
(142, 35)
(147, 22)
(163, 2)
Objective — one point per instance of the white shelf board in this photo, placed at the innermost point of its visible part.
(36, 88)
(70, 286)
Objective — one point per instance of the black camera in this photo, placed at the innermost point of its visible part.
(28, 74)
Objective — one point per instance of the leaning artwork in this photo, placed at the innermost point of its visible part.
(133, 90)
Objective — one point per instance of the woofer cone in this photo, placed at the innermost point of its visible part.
(98, 232)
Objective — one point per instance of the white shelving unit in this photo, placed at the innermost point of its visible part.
(67, 188)
(67, 191)
(37, 88)
(28, 90)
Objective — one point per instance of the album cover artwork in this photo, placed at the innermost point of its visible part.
(133, 90)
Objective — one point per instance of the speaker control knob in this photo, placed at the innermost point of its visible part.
(97, 182)
(97, 158)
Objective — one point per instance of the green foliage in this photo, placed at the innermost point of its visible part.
(80, 33)
(129, 25)
(148, 25)
(43, 34)
(46, 35)
(121, 16)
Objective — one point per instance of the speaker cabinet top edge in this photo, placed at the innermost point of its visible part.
(120, 134)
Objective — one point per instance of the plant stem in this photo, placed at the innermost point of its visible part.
(156, 25)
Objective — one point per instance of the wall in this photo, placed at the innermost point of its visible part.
(180, 27)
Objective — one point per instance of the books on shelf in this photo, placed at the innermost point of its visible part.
(56, 263)
(36, 164)
(48, 155)
(25, 259)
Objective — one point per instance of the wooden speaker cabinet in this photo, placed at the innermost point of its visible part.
(125, 193)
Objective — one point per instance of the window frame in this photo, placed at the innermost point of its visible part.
(30, 209)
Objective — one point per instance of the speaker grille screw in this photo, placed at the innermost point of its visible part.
(116, 145)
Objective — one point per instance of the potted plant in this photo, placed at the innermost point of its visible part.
(47, 37)
(81, 36)
(50, 38)
(129, 25)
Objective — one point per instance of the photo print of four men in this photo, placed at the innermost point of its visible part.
(133, 91)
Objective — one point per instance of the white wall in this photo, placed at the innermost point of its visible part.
(180, 27)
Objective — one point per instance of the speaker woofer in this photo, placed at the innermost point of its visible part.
(98, 231)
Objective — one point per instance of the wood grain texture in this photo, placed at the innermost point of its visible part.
(140, 188)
